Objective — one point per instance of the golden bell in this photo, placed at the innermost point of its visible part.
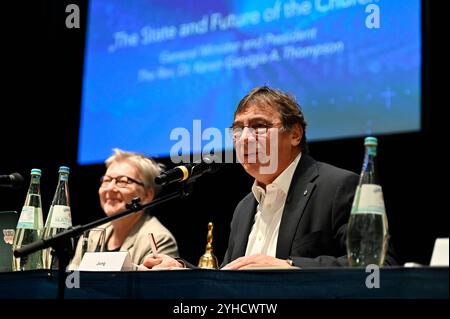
(208, 260)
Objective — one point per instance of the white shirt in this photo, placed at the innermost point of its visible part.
(263, 237)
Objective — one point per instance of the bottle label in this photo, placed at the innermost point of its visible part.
(30, 218)
(368, 200)
(61, 217)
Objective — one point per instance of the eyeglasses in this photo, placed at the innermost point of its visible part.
(256, 129)
(121, 181)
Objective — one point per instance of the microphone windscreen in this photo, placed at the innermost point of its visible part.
(17, 179)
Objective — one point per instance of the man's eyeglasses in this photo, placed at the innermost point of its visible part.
(256, 129)
(121, 181)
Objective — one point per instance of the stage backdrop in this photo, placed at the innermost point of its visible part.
(153, 67)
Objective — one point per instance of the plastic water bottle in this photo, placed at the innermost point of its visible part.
(368, 228)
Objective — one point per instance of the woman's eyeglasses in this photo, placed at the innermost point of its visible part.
(121, 181)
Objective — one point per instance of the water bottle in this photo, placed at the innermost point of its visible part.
(367, 228)
(30, 225)
(59, 217)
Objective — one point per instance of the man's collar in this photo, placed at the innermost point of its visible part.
(283, 181)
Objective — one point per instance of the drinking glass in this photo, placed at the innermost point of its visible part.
(93, 240)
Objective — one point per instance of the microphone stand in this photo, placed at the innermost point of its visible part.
(61, 242)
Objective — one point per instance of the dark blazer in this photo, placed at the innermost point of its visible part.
(314, 222)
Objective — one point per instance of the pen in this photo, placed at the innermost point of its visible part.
(136, 266)
(153, 245)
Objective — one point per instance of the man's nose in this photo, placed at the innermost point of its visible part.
(248, 134)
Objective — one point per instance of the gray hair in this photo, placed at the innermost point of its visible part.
(146, 166)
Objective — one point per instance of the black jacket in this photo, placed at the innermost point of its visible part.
(314, 222)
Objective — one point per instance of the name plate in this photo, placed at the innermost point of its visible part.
(440, 253)
(106, 261)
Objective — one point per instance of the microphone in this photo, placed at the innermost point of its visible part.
(188, 171)
(13, 180)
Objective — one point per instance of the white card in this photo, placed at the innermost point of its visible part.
(440, 253)
(106, 261)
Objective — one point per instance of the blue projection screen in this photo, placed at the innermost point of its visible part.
(153, 67)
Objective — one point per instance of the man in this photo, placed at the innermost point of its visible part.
(297, 211)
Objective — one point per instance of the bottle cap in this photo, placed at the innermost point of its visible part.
(64, 169)
(36, 171)
(370, 141)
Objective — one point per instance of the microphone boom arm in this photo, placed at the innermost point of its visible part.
(75, 231)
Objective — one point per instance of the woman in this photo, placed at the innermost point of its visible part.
(129, 175)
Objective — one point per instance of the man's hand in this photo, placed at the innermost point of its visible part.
(160, 263)
(256, 261)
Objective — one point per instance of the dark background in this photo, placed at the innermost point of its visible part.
(42, 64)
